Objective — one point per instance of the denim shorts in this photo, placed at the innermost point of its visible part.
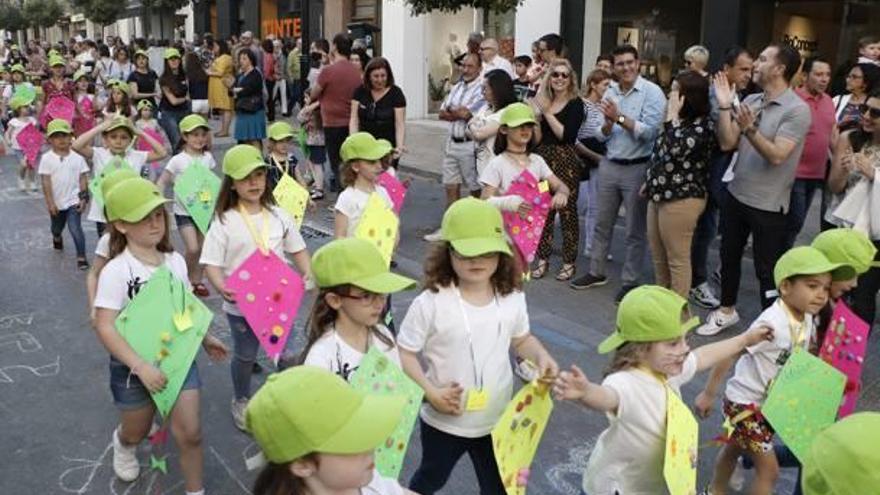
(183, 221)
(317, 154)
(129, 393)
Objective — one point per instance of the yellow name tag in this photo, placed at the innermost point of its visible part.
(205, 197)
(477, 400)
(183, 321)
(543, 186)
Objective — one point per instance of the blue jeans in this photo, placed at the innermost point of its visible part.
(71, 217)
(801, 198)
(129, 393)
(169, 121)
(245, 346)
(708, 223)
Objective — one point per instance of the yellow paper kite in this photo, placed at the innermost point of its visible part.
(682, 441)
(517, 434)
(379, 225)
(292, 197)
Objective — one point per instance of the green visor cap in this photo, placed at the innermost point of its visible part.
(307, 409)
(132, 200)
(363, 146)
(517, 114)
(280, 131)
(144, 104)
(141, 53)
(474, 228)
(19, 101)
(193, 122)
(843, 458)
(241, 160)
(649, 313)
(807, 260)
(17, 68)
(847, 246)
(120, 122)
(56, 60)
(356, 262)
(114, 176)
(79, 75)
(171, 53)
(58, 126)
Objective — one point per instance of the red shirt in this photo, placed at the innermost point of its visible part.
(817, 142)
(338, 82)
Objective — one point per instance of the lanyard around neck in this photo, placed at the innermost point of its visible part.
(796, 329)
(478, 371)
(261, 239)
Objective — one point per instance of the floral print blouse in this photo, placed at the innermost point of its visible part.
(679, 167)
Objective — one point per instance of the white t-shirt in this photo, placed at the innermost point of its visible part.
(65, 173)
(102, 248)
(436, 326)
(334, 354)
(16, 125)
(502, 171)
(762, 362)
(381, 485)
(100, 158)
(178, 165)
(229, 242)
(352, 202)
(628, 456)
(124, 275)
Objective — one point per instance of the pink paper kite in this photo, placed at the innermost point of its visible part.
(846, 342)
(525, 231)
(268, 293)
(396, 190)
(30, 140)
(61, 107)
(85, 118)
(143, 145)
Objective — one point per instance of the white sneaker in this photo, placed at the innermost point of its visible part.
(738, 478)
(718, 321)
(21, 185)
(435, 236)
(34, 186)
(525, 370)
(237, 408)
(702, 296)
(125, 463)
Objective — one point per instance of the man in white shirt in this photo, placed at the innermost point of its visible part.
(491, 59)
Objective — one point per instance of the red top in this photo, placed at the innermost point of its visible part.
(338, 80)
(269, 66)
(67, 89)
(817, 142)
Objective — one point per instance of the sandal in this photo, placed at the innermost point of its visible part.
(566, 272)
(540, 269)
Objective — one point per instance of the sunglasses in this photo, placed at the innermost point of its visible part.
(870, 111)
(559, 75)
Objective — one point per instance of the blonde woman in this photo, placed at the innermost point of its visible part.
(696, 58)
(560, 112)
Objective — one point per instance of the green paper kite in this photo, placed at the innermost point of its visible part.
(378, 375)
(95, 184)
(26, 93)
(165, 324)
(197, 189)
(159, 464)
(803, 400)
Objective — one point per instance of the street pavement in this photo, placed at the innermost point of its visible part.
(57, 409)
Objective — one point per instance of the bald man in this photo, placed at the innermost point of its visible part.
(491, 59)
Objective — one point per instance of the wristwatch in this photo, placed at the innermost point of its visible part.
(621, 119)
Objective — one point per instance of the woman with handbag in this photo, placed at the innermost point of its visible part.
(250, 109)
(221, 79)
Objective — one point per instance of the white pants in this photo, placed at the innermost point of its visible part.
(280, 87)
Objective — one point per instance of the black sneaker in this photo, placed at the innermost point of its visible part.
(257, 368)
(82, 265)
(57, 243)
(587, 281)
(622, 293)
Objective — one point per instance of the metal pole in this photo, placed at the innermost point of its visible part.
(305, 58)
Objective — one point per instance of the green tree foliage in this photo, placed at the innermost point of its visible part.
(172, 5)
(42, 13)
(11, 18)
(101, 12)
(425, 6)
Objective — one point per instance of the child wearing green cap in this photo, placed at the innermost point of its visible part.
(345, 321)
(22, 118)
(464, 325)
(58, 85)
(118, 102)
(65, 179)
(246, 219)
(843, 459)
(318, 435)
(86, 107)
(362, 156)
(280, 158)
(145, 120)
(195, 136)
(316, 151)
(117, 134)
(652, 358)
(139, 245)
(803, 276)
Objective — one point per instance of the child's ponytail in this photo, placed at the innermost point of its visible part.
(276, 479)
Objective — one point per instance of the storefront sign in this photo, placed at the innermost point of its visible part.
(290, 27)
(628, 36)
(801, 44)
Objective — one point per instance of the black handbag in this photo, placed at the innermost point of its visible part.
(249, 104)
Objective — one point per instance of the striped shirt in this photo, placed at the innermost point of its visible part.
(464, 94)
(594, 119)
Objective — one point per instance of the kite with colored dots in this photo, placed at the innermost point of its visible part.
(31, 140)
(525, 230)
(846, 342)
(378, 375)
(517, 434)
(379, 226)
(682, 442)
(292, 197)
(268, 293)
(197, 189)
(396, 190)
(58, 107)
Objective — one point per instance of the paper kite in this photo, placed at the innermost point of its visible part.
(85, 120)
(25, 92)
(268, 293)
(846, 342)
(378, 375)
(165, 324)
(292, 197)
(803, 400)
(31, 140)
(142, 144)
(197, 189)
(525, 230)
(517, 434)
(59, 107)
(682, 442)
(95, 183)
(379, 225)
(396, 190)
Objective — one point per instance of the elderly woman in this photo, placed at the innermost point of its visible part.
(696, 58)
